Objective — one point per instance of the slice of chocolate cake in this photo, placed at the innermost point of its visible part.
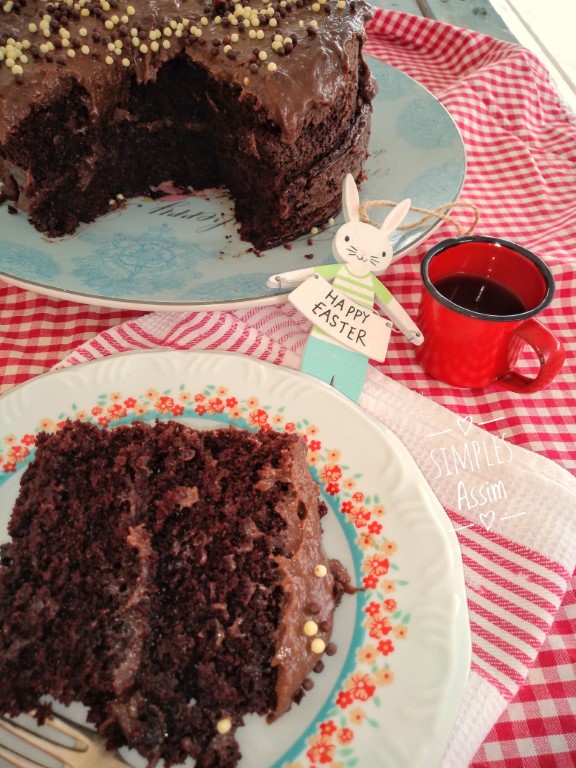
(172, 580)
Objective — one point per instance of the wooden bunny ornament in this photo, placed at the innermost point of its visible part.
(346, 332)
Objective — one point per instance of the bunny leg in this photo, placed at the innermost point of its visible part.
(343, 368)
(351, 377)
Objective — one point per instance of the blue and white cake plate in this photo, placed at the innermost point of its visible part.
(180, 252)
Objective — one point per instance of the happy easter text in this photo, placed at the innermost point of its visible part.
(339, 314)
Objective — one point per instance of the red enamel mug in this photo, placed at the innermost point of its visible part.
(479, 304)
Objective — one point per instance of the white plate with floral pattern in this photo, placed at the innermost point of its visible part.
(184, 250)
(389, 696)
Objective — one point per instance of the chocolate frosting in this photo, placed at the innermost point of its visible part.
(284, 55)
(309, 596)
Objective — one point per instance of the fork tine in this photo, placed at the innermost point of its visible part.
(17, 761)
(59, 725)
(63, 743)
(43, 744)
(75, 732)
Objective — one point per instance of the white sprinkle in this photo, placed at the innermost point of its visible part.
(310, 628)
(224, 725)
(317, 645)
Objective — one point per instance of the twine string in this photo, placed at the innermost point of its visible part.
(442, 212)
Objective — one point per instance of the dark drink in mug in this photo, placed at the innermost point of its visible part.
(480, 294)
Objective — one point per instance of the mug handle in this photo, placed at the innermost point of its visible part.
(550, 353)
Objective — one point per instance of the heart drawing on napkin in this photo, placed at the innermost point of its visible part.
(465, 424)
(487, 518)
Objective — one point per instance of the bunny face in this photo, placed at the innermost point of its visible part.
(363, 247)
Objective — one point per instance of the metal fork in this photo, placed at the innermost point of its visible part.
(29, 746)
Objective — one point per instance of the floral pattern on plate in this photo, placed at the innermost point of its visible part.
(384, 624)
(389, 696)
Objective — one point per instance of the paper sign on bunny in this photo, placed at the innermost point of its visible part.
(347, 332)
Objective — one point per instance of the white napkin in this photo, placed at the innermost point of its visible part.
(522, 555)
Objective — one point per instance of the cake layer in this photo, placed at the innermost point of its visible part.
(163, 577)
(106, 99)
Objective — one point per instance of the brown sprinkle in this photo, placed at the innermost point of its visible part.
(331, 649)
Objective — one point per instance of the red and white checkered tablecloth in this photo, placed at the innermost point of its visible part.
(521, 155)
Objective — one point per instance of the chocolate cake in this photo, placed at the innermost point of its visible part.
(101, 100)
(172, 580)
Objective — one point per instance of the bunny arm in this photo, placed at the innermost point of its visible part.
(285, 279)
(401, 319)
(289, 278)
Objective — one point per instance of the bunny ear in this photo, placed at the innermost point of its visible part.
(396, 216)
(350, 199)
